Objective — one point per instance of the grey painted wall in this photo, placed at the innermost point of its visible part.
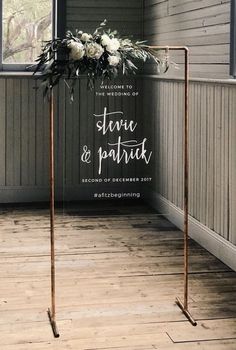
(212, 149)
(122, 15)
(24, 137)
(204, 26)
(24, 117)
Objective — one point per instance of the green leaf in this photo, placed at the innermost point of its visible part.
(55, 64)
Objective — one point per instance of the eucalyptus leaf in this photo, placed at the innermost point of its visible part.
(69, 57)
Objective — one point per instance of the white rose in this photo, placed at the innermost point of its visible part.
(76, 50)
(113, 45)
(86, 37)
(94, 50)
(113, 60)
(105, 40)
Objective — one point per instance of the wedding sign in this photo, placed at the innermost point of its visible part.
(121, 153)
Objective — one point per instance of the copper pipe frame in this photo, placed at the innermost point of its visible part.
(184, 306)
(52, 312)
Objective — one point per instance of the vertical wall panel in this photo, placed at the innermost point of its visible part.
(42, 139)
(225, 163)
(76, 139)
(17, 132)
(217, 170)
(31, 135)
(10, 133)
(2, 133)
(24, 132)
(210, 116)
(68, 142)
(180, 112)
(60, 112)
(203, 147)
(212, 130)
(232, 166)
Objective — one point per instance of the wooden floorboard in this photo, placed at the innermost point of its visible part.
(119, 269)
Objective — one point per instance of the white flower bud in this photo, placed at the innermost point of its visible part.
(94, 50)
(113, 45)
(113, 60)
(86, 37)
(105, 40)
(77, 50)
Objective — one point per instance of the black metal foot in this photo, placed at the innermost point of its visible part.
(186, 312)
(53, 325)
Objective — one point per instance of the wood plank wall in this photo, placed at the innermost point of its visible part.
(24, 115)
(24, 137)
(124, 16)
(212, 149)
(203, 26)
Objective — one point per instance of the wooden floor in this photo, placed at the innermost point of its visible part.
(119, 269)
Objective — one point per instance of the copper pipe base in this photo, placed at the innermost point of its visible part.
(53, 324)
(186, 312)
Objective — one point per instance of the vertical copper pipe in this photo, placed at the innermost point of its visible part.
(52, 311)
(184, 306)
(186, 179)
(52, 208)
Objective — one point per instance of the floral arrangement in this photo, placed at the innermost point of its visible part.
(103, 54)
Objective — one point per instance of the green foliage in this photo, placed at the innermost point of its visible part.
(70, 57)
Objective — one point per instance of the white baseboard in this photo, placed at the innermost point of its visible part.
(210, 240)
